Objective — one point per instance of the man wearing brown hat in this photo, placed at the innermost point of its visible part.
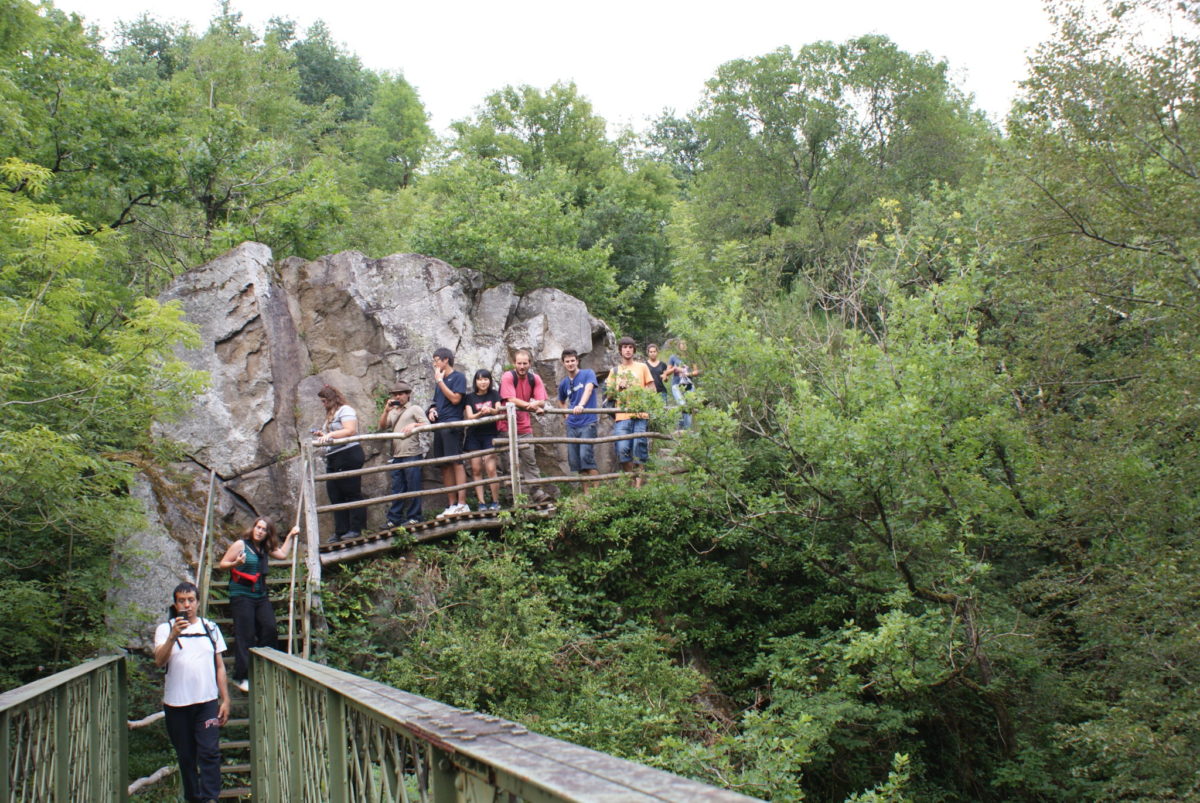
(403, 417)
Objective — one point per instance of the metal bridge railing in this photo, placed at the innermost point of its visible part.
(320, 735)
(64, 737)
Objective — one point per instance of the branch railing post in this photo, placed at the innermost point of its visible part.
(204, 561)
(312, 558)
(514, 466)
(304, 478)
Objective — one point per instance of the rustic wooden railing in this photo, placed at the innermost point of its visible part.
(504, 445)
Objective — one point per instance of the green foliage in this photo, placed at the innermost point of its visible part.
(326, 71)
(934, 538)
(620, 205)
(474, 628)
(85, 368)
(512, 229)
(393, 142)
(524, 130)
(798, 146)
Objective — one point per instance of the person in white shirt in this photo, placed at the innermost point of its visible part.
(195, 694)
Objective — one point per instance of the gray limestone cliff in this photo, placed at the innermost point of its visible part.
(275, 332)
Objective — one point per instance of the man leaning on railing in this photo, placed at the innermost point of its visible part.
(525, 390)
(403, 417)
(576, 391)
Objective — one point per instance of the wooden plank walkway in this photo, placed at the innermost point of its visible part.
(431, 530)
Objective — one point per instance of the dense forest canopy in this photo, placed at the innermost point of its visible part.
(948, 441)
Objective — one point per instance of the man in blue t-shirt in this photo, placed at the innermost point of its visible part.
(450, 387)
(576, 391)
(682, 381)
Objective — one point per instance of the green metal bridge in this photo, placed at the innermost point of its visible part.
(318, 735)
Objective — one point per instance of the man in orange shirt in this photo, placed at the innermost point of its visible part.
(625, 384)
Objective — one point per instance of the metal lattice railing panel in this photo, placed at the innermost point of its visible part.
(356, 740)
(31, 760)
(64, 736)
(314, 769)
(382, 762)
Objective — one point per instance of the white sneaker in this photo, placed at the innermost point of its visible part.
(243, 684)
(464, 508)
(450, 511)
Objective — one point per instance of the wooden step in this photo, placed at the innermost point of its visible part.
(231, 769)
(236, 744)
(235, 793)
(220, 577)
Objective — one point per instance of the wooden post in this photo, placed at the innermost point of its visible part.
(312, 559)
(204, 561)
(304, 474)
(514, 464)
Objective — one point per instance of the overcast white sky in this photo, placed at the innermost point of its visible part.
(631, 59)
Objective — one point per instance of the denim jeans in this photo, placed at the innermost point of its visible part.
(581, 456)
(636, 450)
(678, 391)
(405, 480)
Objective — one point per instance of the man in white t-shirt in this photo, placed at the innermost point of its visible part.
(196, 693)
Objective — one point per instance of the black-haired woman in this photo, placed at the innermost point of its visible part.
(247, 560)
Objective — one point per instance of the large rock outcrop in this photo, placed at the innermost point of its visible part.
(275, 332)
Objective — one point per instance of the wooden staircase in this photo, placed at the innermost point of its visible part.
(235, 736)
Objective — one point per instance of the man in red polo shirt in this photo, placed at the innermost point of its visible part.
(525, 389)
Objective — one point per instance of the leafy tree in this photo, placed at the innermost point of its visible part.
(161, 46)
(512, 229)
(676, 141)
(1096, 318)
(85, 368)
(395, 138)
(797, 147)
(623, 203)
(523, 130)
(326, 71)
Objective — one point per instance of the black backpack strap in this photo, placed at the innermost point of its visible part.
(216, 653)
